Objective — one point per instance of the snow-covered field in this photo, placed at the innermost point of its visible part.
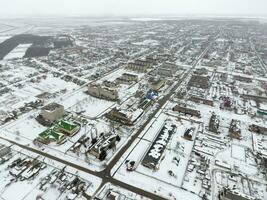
(3, 38)
(90, 106)
(18, 52)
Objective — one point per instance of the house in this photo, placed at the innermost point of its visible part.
(52, 112)
(187, 111)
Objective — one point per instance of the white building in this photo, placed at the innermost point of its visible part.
(52, 112)
(103, 92)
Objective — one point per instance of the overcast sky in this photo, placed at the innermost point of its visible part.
(132, 7)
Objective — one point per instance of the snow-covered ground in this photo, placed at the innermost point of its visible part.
(18, 52)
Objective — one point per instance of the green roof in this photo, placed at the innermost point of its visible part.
(51, 134)
(67, 125)
(262, 112)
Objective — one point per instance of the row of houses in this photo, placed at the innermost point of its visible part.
(140, 65)
(201, 100)
(126, 78)
(258, 129)
(187, 111)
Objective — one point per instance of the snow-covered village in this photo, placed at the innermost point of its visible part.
(133, 109)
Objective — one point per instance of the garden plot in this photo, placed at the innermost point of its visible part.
(22, 188)
(13, 73)
(29, 91)
(246, 166)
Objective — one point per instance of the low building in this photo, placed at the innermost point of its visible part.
(51, 136)
(214, 123)
(188, 134)
(258, 129)
(156, 151)
(68, 128)
(140, 65)
(145, 63)
(152, 60)
(127, 78)
(187, 111)
(167, 69)
(227, 194)
(103, 92)
(201, 71)
(156, 84)
(4, 150)
(109, 84)
(124, 117)
(52, 112)
(235, 129)
(243, 79)
(201, 100)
